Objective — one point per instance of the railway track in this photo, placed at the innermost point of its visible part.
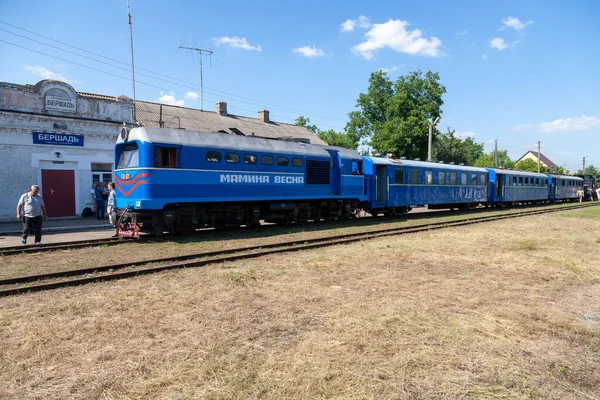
(40, 248)
(34, 283)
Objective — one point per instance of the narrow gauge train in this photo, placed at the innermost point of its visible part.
(177, 180)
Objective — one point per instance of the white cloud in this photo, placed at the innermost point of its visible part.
(514, 23)
(169, 98)
(350, 24)
(564, 125)
(192, 95)
(460, 34)
(45, 73)
(464, 134)
(484, 56)
(309, 51)
(236, 42)
(498, 44)
(393, 34)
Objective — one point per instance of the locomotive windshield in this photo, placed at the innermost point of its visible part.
(129, 156)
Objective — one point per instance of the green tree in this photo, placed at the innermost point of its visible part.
(487, 160)
(305, 122)
(557, 170)
(334, 138)
(394, 117)
(449, 148)
(529, 165)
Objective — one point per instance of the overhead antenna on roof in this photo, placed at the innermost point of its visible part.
(133, 119)
(200, 52)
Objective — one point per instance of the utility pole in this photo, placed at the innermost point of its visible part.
(431, 138)
(496, 153)
(539, 144)
(583, 169)
(200, 52)
(133, 118)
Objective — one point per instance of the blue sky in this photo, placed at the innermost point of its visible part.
(516, 71)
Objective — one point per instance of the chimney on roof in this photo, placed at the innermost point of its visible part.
(221, 108)
(263, 115)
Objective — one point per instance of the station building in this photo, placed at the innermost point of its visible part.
(63, 140)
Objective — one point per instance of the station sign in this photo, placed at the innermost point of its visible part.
(63, 104)
(57, 139)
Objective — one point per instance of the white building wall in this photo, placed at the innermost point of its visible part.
(22, 112)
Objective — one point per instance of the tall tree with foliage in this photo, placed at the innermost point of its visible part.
(394, 117)
(305, 122)
(529, 165)
(487, 160)
(449, 148)
(330, 136)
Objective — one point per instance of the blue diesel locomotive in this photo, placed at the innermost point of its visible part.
(176, 180)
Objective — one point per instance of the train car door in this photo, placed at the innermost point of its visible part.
(336, 172)
(381, 182)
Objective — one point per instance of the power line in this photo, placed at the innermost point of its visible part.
(172, 80)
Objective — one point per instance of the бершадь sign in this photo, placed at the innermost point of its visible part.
(64, 104)
(57, 139)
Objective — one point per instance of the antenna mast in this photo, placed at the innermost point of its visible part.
(132, 64)
(200, 51)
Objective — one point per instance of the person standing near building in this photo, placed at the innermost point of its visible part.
(32, 210)
(111, 210)
(98, 197)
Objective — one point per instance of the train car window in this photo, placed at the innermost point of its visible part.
(129, 156)
(520, 181)
(441, 178)
(267, 160)
(473, 179)
(537, 181)
(356, 168)
(546, 181)
(514, 181)
(562, 182)
(399, 176)
(453, 178)
(213, 156)
(463, 178)
(428, 177)
(232, 158)
(297, 162)
(482, 180)
(414, 176)
(165, 157)
(250, 159)
(526, 181)
(283, 161)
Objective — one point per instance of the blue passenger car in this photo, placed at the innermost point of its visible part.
(173, 179)
(395, 186)
(564, 187)
(508, 187)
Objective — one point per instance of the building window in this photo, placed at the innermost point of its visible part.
(283, 161)
(414, 176)
(232, 158)
(250, 159)
(165, 157)
(297, 162)
(213, 156)
(267, 160)
(399, 176)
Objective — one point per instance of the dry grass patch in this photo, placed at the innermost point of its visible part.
(458, 313)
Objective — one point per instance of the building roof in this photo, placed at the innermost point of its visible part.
(150, 115)
(543, 159)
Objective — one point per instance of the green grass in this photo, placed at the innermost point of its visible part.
(590, 213)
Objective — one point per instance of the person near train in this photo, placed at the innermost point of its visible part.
(32, 210)
(580, 194)
(111, 210)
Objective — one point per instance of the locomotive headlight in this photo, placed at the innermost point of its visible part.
(138, 204)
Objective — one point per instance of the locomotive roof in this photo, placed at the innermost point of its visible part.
(232, 142)
(424, 164)
(518, 173)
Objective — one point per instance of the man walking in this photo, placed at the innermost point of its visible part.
(33, 210)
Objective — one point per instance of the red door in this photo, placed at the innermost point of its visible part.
(58, 191)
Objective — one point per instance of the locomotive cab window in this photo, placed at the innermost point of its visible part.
(165, 157)
(129, 156)
(414, 176)
(283, 161)
(356, 168)
(232, 158)
(267, 160)
(250, 159)
(213, 156)
(297, 162)
(399, 176)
